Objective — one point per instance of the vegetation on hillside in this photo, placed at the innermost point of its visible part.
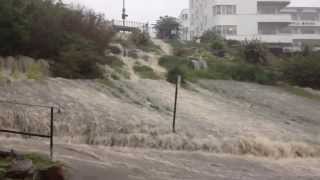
(249, 61)
(143, 41)
(73, 38)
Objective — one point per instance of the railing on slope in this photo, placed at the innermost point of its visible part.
(12, 111)
(130, 26)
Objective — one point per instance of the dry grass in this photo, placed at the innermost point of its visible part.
(255, 146)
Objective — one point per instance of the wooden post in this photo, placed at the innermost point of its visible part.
(175, 104)
(51, 133)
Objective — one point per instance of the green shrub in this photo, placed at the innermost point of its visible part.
(237, 71)
(182, 52)
(34, 71)
(78, 64)
(170, 62)
(210, 36)
(217, 45)
(255, 52)
(182, 71)
(302, 71)
(113, 61)
(145, 72)
(143, 41)
(139, 38)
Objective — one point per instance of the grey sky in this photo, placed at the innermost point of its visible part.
(150, 10)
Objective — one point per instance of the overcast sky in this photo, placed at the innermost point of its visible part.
(150, 10)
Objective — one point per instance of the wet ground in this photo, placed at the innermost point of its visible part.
(102, 163)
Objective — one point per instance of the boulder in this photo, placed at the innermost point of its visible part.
(196, 65)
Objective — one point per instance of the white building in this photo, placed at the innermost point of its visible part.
(184, 18)
(271, 21)
(305, 28)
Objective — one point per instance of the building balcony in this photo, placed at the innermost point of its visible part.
(284, 2)
(274, 18)
(305, 36)
(273, 38)
(302, 23)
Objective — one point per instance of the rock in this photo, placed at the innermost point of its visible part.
(52, 173)
(196, 65)
(199, 64)
(20, 169)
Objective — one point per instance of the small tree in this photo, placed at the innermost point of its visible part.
(167, 28)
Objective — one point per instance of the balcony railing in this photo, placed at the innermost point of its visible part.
(305, 23)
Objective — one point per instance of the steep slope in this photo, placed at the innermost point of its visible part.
(224, 116)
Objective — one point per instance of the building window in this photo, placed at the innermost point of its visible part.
(224, 10)
(294, 17)
(226, 30)
(309, 17)
(308, 31)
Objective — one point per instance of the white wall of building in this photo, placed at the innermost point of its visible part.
(253, 19)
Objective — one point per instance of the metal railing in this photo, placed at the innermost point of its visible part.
(48, 136)
(130, 25)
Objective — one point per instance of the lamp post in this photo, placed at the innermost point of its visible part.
(124, 15)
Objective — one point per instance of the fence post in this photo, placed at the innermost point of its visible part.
(51, 134)
(175, 104)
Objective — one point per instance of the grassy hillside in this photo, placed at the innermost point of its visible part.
(250, 61)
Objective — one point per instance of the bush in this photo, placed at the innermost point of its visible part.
(75, 63)
(139, 38)
(170, 62)
(217, 45)
(145, 72)
(182, 51)
(113, 61)
(143, 41)
(302, 71)
(210, 36)
(182, 71)
(237, 71)
(255, 52)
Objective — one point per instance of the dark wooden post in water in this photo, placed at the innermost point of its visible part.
(51, 133)
(175, 104)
